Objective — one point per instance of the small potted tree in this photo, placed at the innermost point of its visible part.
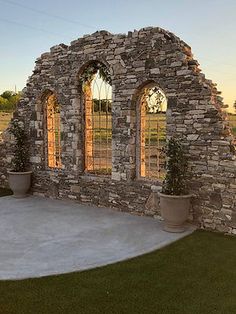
(174, 198)
(19, 175)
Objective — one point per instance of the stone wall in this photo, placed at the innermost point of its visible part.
(194, 112)
(3, 162)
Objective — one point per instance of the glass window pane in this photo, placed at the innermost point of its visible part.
(153, 105)
(98, 128)
(53, 132)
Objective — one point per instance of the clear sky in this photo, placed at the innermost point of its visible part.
(29, 28)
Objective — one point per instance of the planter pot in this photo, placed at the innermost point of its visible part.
(174, 211)
(19, 183)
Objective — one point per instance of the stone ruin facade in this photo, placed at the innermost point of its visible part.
(194, 111)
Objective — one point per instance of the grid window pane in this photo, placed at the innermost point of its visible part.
(53, 132)
(98, 125)
(152, 133)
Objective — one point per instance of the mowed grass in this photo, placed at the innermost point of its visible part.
(5, 118)
(102, 127)
(196, 275)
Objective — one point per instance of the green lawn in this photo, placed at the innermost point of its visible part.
(194, 275)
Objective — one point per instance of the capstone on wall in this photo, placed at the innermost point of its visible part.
(194, 112)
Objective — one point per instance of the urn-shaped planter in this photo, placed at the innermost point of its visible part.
(174, 198)
(19, 177)
(174, 211)
(19, 183)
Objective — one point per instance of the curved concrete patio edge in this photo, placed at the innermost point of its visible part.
(42, 237)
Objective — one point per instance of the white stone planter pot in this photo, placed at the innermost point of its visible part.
(19, 183)
(174, 211)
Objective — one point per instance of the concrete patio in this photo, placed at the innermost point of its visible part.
(42, 237)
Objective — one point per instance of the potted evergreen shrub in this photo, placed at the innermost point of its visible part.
(174, 198)
(19, 175)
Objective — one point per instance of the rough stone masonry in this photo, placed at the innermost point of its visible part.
(194, 112)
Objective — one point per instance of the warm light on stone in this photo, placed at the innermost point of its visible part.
(53, 132)
(148, 57)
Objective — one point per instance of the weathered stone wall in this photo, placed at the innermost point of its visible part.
(3, 162)
(6, 146)
(194, 112)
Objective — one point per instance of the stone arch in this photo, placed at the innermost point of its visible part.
(96, 103)
(88, 60)
(51, 129)
(149, 125)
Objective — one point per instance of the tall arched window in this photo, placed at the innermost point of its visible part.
(97, 93)
(152, 132)
(53, 133)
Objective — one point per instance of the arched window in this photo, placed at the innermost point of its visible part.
(97, 92)
(53, 133)
(152, 132)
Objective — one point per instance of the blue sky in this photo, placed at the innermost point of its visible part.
(29, 28)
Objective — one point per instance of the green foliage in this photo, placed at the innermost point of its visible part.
(21, 157)
(154, 100)
(175, 182)
(8, 100)
(7, 94)
(4, 104)
(92, 69)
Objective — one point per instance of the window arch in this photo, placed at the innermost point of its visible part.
(151, 132)
(97, 95)
(53, 131)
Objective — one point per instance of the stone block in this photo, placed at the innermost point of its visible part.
(155, 71)
(116, 176)
(75, 189)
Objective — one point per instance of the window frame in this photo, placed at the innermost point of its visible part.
(45, 129)
(94, 172)
(139, 96)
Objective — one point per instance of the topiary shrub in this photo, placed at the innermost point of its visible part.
(175, 182)
(20, 161)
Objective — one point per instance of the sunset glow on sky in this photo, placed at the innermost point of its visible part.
(29, 28)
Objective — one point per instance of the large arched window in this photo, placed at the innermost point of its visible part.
(53, 133)
(97, 92)
(152, 132)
